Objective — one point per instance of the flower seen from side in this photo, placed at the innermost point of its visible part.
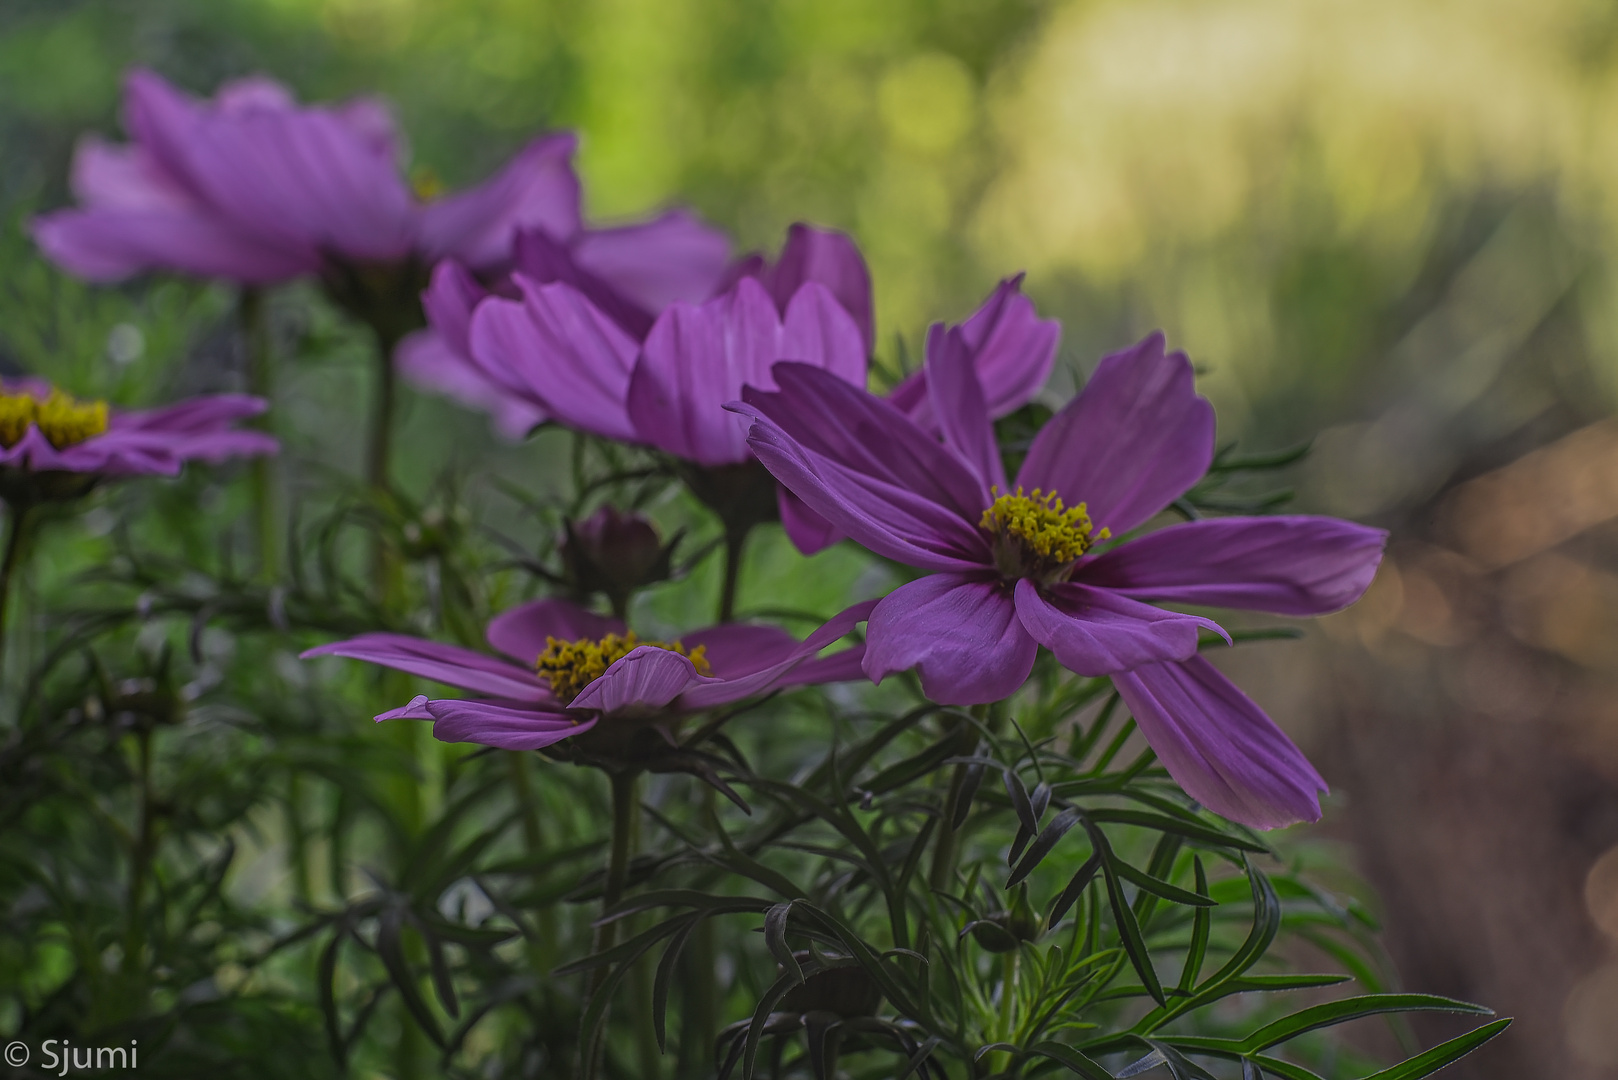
(52, 444)
(565, 672)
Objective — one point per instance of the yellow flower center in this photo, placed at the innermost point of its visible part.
(1037, 535)
(61, 418)
(570, 666)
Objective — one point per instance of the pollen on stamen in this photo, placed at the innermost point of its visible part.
(570, 666)
(63, 420)
(1054, 533)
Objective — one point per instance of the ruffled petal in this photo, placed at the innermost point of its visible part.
(1134, 440)
(1097, 632)
(415, 710)
(556, 350)
(449, 664)
(510, 727)
(960, 632)
(675, 256)
(1219, 746)
(521, 633)
(537, 189)
(1292, 565)
(1012, 348)
(643, 681)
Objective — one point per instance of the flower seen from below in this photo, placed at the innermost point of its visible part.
(1009, 572)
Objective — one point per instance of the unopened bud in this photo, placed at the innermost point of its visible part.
(613, 553)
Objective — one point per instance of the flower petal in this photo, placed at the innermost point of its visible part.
(796, 666)
(110, 244)
(539, 256)
(892, 521)
(956, 398)
(1290, 565)
(1219, 746)
(521, 633)
(865, 434)
(427, 360)
(536, 189)
(808, 531)
(1134, 440)
(960, 632)
(510, 727)
(1097, 632)
(675, 256)
(832, 259)
(450, 664)
(737, 649)
(556, 350)
(415, 710)
(644, 680)
(696, 358)
(300, 176)
(1012, 348)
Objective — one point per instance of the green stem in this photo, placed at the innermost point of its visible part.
(1008, 1003)
(140, 857)
(735, 541)
(15, 556)
(543, 950)
(382, 408)
(699, 1004)
(385, 568)
(256, 343)
(625, 811)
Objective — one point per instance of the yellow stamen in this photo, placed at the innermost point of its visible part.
(425, 183)
(62, 419)
(570, 666)
(1051, 533)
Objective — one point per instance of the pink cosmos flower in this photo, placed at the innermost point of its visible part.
(1010, 567)
(564, 671)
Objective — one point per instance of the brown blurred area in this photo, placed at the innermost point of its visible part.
(1466, 710)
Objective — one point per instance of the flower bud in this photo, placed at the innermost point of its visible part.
(613, 553)
(1003, 931)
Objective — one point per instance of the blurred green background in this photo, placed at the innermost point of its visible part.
(1389, 222)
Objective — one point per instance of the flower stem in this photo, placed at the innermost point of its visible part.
(735, 541)
(254, 327)
(625, 812)
(140, 858)
(1008, 1005)
(16, 554)
(385, 568)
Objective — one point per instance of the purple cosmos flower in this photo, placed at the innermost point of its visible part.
(1011, 567)
(564, 671)
(630, 273)
(254, 188)
(44, 431)
(821, 255)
